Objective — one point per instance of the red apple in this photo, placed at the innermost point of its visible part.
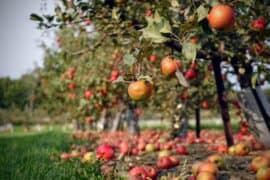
(193, 65)
(86, 23)
(113, 78)
(115, 73)
(205, 104)
(191, 178)
(138, 172)
(148, 12)
(181, 150)
(134, 151)
(152, 172)
(153, 58)
(105, 152)
(65, 156)
(88, 94)
(190, 74)
(222, 149)
(164, 163)
(259, 24)
(124, 148)
(141, 146)
(175, 160)
(71, 86)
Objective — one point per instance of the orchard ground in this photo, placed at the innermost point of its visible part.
(31, 156)
(36, 155)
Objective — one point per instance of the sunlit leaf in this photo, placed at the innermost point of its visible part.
(116, 13)
(181, 79)
(129, 59)
(212, 2)
(189, 50)
(202, 12)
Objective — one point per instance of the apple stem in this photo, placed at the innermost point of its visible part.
(222, 100)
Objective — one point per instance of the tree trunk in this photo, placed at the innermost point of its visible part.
(103, 124)
(254, 104)
(198, 123)
(222, 101)
(257, 112)
(118, 121)
(180, 122)
(132, 119)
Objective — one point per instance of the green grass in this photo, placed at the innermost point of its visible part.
(36, 156)
(235, 127)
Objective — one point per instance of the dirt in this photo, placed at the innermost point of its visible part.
(236, 167)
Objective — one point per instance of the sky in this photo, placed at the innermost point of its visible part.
(19, 37)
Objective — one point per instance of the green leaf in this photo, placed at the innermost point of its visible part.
(49, 18)
(116, 13)
(155, 27)
(83, 102)
(119, 79)
(152, 33)
(84, 5)
(212, 2)
(175, 4)
(189, 51)
(181, 78)
(166, 27)
(129, 59)
(202, 12)
(35, 17)
(254, 79)
(147, 78)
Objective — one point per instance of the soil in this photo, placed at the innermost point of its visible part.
(236, 167)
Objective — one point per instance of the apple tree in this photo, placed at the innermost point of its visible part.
(233, 32)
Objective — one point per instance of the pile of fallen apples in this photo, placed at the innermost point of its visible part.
(170, 154)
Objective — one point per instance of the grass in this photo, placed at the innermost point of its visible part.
(36, 156)
(235, 127)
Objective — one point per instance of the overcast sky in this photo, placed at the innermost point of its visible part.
(19, 37)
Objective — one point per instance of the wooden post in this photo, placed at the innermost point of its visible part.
(222, 101)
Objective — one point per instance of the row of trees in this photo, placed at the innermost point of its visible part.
(198, 44)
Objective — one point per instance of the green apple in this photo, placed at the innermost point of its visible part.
(150, 147)
(88, 157)
(164, 153)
